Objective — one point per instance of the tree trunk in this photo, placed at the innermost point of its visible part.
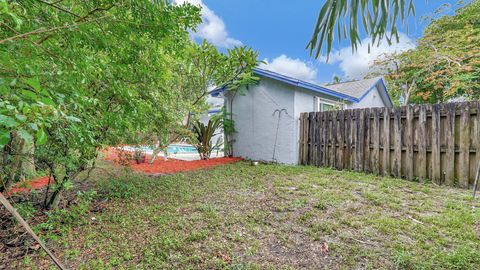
(16, 145)
(28, 163)
(55, 198)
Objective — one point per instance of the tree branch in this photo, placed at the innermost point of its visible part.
(42, 30)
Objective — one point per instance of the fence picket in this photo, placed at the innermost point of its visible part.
(376, 141)
(311, 136)
(366, 144)
(409, 158)
(341, 140)
(326, 138)
(348, 140)
(464, 159)
(386, 142)
(318, 139)
(450, 143)
(333, 153)
(397, 143)
(436, 154)
(422, 143)
(358, 140)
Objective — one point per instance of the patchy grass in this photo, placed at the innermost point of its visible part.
(269, 217)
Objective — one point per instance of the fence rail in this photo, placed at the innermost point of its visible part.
(436, 142)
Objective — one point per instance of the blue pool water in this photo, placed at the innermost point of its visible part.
(176, 148)
(172, 149)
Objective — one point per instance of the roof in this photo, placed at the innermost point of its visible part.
(353, 91)
(303, 84)
(354, 88)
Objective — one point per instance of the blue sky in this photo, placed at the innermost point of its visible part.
(280, 30)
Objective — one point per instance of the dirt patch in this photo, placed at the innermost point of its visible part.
(15, 243)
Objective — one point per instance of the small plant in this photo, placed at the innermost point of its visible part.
(202, 137)
(139, 156)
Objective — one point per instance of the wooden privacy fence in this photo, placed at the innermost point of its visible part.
(437, 142)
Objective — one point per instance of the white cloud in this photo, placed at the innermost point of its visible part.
(357, 65)
(295, 68)
(212, 28)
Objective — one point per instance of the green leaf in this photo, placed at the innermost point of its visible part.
(7, 121)
(21, 117)
(47, 101)
(34, 83)
(41, 137)
(25, 135)
(3, 90)
(4, 138)
(73, 119)
(33, 126)
(29, 94)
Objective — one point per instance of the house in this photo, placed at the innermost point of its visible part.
(267, 115)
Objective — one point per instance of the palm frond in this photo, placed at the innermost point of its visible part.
(379, 19)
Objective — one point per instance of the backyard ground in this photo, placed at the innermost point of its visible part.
(239, 216)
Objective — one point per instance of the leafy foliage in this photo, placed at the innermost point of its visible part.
(378, 18)
(78, 76)
(202, 136)
(446, 63)
(203, 67)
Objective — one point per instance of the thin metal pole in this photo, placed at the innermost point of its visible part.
(19, 218)
(475, 185)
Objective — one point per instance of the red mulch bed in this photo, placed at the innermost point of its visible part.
(170, 166)
(36, 183)
(160, 166)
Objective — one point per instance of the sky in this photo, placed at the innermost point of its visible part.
(280, 30)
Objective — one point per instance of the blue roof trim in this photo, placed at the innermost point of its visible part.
(217, 91)
(309, 86)
(384, 88)
(214, 111)
(303, 84)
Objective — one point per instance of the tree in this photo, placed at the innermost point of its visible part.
(336, 79)
(201, 69)
(444, 65)
(78, 76)
(378, 18)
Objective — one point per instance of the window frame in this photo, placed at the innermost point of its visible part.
(320, 102)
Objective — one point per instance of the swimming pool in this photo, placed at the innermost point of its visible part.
(179, 148)
(172, 149)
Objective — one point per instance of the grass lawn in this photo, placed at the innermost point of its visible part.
(267, 217)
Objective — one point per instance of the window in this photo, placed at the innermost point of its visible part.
(325, 106)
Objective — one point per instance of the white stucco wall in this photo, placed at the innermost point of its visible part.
(256, 123)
